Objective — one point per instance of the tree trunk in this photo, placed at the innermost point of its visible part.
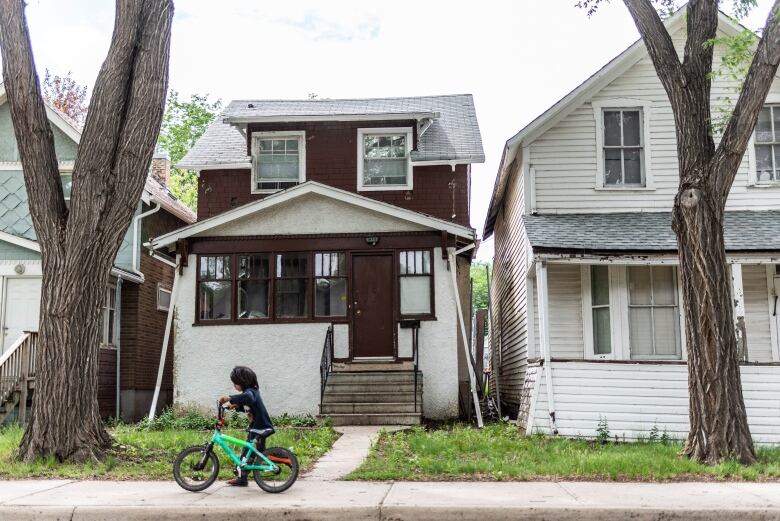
(718, 421)
(79, 245)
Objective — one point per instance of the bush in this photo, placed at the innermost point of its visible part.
(192, 418)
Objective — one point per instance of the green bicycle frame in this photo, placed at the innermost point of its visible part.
(222, 440)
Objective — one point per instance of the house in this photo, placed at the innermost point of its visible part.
(332, 244)
(136, 298)
(586, 294)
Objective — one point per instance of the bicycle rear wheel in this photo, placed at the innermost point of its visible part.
(188, 472)
(275, 482)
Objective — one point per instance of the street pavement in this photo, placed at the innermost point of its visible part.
(401, 501)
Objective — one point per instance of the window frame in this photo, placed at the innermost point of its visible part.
(431, 315)
(345, 277)
(234, 319)
(308, 277)
(652, 306)
(277, 134)
(109, 305)
(381, 131)
(164, 289)
(753, 182)
(232, 279)
(645, 114)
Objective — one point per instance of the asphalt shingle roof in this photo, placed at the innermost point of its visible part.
(453, 136)
(644, 232)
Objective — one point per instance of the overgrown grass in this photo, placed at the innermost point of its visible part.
(146, 451)
(501, 452)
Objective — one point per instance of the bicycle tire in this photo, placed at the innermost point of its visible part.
(288, 464)
(212, 474)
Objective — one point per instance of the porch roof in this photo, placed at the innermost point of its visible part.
(644, 232)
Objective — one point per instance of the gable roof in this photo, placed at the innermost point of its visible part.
(453, 134)
(566, 105)
(311, 187)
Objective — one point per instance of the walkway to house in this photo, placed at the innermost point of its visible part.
(348, 501)
(347, 453)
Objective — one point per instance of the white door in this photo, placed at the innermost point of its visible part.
(22, 304)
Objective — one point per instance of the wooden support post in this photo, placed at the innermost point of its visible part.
(24, 378)
(739, 310)
(544, 338)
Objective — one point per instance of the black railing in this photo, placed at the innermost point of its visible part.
(326, 363)
(414, 325)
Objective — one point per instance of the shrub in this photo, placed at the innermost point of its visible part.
(602, 431)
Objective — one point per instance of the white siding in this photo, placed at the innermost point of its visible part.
(759, 337)
(636, 397)
(565, 303)
(564, 157)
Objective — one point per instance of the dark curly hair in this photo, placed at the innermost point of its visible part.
(244, 377)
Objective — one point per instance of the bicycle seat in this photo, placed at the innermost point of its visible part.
(262, 432)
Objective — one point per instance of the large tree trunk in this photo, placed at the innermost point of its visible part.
(79, 245)
(717, 411)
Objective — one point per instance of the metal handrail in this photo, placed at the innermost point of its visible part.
(326, 363)
(416, 355)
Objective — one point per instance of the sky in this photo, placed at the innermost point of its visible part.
(516, 58)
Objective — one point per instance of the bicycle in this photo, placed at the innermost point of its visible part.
(196, 468)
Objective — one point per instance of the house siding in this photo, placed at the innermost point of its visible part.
(64, 146)
(10, 251)
(757, 313)
(331, 159)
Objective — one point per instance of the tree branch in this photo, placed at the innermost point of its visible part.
(751, 100)
(34, 136)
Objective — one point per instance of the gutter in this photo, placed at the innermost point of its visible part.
(136, 246)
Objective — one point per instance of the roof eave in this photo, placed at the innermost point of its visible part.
(386, 116)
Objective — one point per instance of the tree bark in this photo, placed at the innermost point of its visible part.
(718, 420)
(79, 245)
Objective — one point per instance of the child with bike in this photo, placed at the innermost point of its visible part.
(248, 400)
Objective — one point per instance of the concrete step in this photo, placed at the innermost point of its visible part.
(374, 377)
(332, 387)
(370, 408)
(371, 397)
(358, 367)
(374, 419)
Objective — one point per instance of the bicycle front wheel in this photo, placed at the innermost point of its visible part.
(275, 482)
(195, 469)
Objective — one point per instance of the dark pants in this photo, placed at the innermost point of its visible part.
(257, 437)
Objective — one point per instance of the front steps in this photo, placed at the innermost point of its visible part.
(372, 398)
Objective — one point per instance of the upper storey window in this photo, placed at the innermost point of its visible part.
(767, 145)
(278, 160)
(623, 147)
(384, 161)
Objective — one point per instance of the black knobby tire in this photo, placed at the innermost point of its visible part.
(187, 476)
(279, 482)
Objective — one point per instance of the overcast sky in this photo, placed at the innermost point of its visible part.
(516, 57)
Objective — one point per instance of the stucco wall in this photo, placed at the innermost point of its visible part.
(286, 357)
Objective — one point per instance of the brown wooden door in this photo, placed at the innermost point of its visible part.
(373, 332)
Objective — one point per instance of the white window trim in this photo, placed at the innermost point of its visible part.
(771, 99)
(164, 289)
(647, 169)
(300, 134)
(587, 315)
(387, 130)
(108, 303)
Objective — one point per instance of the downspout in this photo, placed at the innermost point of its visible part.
(118, 343)
(134, 266)
(166, 336)
(452, 254)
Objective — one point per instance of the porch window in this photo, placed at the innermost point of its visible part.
(330, 284)
(278, 160)
(654, 325)
(415, 283)
(599, 292)
(291, 285)
(108, 336)
(215, 287)
(254, 273)
(767, 145)
(383, 159)
(623, 147)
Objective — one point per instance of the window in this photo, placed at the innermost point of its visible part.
(163, 298)
(292, 288)
(67, 186)
(384, 162)
(330, 284)
(254, 274)
(767, 145)
(278, 160)
(215, 288)
(654, 325)
(622, 147)
(415, 275)
(108, 337)
(599, 293)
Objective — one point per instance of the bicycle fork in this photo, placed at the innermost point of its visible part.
(204, 459)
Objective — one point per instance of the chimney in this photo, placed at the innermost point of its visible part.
(161, 166)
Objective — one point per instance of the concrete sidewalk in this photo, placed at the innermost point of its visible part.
(340, 501)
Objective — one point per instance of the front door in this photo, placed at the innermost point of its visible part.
(373, 333)
(22, 305)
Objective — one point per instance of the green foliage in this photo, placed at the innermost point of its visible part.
(737, 55)
(183, 123)
(654, 434)
(190, 418)
(479, 295)
(501, 452)
(602, 431)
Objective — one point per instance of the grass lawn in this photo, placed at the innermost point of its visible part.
(501, 452)
(141, 454)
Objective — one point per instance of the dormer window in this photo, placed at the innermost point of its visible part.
(384, 161)
(278, 160)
